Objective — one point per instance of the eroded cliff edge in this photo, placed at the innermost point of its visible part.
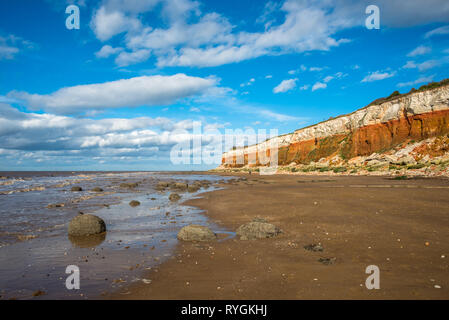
(401, 130)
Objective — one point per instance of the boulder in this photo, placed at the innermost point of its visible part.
(193, 188)
(174, 197)
(97, 189)
(129, 185)
(179, 186)
(86, 224)
(195, 232)
(76, 189)
(134, 203)
(257, 230)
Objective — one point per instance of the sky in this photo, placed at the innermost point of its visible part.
(141, 78)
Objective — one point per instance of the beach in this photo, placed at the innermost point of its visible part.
(399, 225)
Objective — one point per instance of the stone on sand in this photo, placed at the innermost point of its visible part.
(134, 203)
(195, 232)
(193, 188)
(76, 189)
(97, 189)
(174, 197)
(86, 224)
(129, 185)
(257, 230)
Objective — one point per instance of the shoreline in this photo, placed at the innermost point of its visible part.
(402, 232)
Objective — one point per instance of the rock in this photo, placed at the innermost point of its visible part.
(313, 247)
(163, 184)
(179, 186)
(327, 261)
(193, 188)
(97, 189)
(76, 189)
(174, 197)
(196, 233)
(86, 224)
(129, 185)
(134, 203)
(38, 293)
(407, 159)
(55, 205)
(257, 230)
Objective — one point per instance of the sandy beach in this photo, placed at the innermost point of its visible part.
(401, 226)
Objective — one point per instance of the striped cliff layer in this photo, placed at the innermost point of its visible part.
(376, 128)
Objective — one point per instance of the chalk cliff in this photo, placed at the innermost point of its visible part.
(383, 127)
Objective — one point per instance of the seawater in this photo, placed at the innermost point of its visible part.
(35, 249)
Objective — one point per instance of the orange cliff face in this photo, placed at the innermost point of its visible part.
(373, 129)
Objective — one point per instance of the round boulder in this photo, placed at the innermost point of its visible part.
(86, 224)
(195, 232)
(76, 189)
(174, 197)
(97, 189)
(134, 203)
(257, 230)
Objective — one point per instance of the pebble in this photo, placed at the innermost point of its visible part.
(437, 286)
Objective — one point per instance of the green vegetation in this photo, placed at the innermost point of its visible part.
(339, 169)
(416, 166)
(400, 178)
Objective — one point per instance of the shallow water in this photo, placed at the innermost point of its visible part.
(36, 249)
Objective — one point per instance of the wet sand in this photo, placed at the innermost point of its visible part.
(401, 226)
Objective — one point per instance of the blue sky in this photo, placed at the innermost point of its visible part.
(121, 91)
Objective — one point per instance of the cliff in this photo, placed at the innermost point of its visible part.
(384, 127)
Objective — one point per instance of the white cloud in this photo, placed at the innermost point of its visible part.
(319, 85)
(139, 91)
(285, 85)
(419, 51)
(378, 75)
(107, 51)
(304, 87)
(327, 79)
(269, 76)
(53, 139)
(106, 23)
(438, 31)
(126, 58)
(417, 81)
(11, 45)
(423, 66)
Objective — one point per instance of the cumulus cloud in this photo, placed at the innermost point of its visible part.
(209, 39)
(49, 137)
(107, 51)
(194, 38)
(378, 75)
(139, 91)
(285, 85)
